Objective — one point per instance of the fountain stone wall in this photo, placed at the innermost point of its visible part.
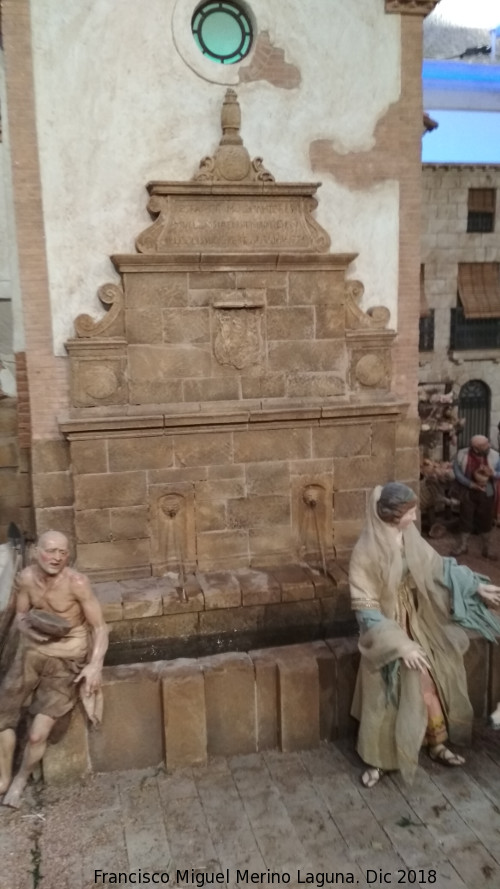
(232, 408)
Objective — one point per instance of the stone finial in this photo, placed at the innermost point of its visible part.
(231, 162)
(230, 119)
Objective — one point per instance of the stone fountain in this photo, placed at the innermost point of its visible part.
(230, 412)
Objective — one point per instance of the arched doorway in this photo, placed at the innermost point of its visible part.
(474, 402)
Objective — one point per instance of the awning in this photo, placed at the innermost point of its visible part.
(424, 305)
(479, 289)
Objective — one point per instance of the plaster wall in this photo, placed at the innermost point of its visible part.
(117, 105)
(7, 378)
(11, 323)
(445, 243)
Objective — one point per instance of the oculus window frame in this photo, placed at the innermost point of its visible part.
(222, 31)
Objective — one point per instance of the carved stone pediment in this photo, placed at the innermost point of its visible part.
(232, 204)
(232, 296)
(194, 217)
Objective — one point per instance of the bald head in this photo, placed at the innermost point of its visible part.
(54, 536)
(480, 444)
(52, 552)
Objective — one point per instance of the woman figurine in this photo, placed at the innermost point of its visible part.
(411, 684)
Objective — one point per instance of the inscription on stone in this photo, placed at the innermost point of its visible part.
(234, 223)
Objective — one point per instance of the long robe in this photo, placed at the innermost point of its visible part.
(393, 725)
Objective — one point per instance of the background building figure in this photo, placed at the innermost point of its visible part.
(436, 483)
(477, 469)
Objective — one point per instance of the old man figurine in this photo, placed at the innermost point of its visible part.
(411, 687)
(477, 470)
(62, 643)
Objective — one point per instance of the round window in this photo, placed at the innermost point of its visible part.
(222, 31)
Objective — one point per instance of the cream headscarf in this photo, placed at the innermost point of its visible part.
(376, 558)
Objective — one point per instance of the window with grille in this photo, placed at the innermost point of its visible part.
(474, 405)
(473, 333)
(481, 210)
(426, 332)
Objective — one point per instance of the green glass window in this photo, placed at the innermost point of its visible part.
(222, 31)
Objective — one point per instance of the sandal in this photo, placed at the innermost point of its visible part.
(371, 776)
(441, 753)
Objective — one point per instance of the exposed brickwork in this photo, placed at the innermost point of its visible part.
(363, 170)
(42, 384)
(405, 353)
(46, 374)
(23, 402)
(268, 63)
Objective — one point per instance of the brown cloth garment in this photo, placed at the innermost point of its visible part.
(42, 678)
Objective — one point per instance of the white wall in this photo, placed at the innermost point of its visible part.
(11, 321)
(117, 105)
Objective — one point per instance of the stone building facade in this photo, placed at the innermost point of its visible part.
(460, 327)
(143, 422)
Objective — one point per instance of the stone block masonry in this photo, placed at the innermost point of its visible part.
(203, 489)
(184, 711)
(16, 495)
(268, 603)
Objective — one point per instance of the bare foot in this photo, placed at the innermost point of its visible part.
(13, 796)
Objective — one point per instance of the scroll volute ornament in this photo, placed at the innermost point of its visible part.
(113, 322)
(376, 318)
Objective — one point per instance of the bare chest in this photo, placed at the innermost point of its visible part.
(56, 598)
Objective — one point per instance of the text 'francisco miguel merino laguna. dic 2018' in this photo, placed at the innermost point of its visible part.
(230, 877)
